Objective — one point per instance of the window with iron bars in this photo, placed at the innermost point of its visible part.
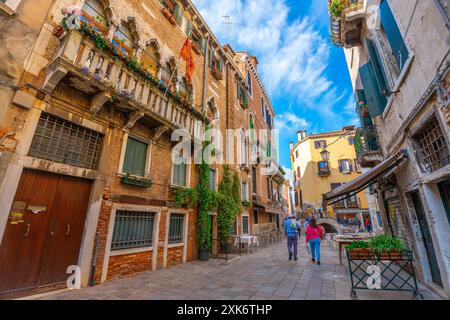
(176, 228)
(133, 229)
(433, 149)
(62, 141)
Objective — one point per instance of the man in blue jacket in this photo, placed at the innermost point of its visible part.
(290, 230)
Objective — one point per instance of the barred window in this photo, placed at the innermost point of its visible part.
(176, 228)
(245, 229)
(133, 229)
(432, 146)
(62, 141)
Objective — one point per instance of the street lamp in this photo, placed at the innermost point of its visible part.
(325, 154)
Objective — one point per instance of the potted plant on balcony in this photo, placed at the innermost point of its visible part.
(336, 8)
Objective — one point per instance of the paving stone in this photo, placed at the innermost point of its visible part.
(264, 275)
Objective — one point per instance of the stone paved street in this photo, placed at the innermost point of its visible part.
(266, 274)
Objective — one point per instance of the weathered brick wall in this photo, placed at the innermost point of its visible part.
(128, 265)
(174, 256)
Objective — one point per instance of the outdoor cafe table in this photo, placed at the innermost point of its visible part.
(347, 239)
(249, 240)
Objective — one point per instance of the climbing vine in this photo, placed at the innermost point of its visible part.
(229, 204)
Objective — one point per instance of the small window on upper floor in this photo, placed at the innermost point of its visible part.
(249, 82)
(320, 144)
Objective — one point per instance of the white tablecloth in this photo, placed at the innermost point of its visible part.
(246, 239)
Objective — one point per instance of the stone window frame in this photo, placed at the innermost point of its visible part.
(148, 162)
(112, 219)
(182, 244)
(9, 6)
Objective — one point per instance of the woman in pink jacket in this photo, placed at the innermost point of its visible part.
(314, 233)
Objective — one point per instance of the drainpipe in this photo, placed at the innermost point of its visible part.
(205, 67)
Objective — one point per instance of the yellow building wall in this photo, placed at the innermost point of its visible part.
(314, 186)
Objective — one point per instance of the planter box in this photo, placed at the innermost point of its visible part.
(196, 49)
(166, 12)
(360, 254)
(217, 74)
(394, 255)
(137, 182)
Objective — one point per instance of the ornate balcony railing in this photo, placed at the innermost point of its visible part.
(92, 65)
(366, 140)
(345, 25)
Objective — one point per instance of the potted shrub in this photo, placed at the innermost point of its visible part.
(336, 8)
(387, 247)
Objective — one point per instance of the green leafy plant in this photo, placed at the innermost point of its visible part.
(229, 204)
(336, 8)
(385, 243)
(357, 245)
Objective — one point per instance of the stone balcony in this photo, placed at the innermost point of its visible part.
(346, 20)
(367, 147)
(93, 69)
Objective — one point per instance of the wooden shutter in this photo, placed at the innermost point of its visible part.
(350, 165)
(189, 28)
(375, 101)
(177, 13)
(375, 59)
(211, 56)
(202, 44)
(341, 167)
(135, 157)
(393, 34)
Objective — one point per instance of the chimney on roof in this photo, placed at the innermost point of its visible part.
(254, 61)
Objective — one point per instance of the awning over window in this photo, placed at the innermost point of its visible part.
(363, 181)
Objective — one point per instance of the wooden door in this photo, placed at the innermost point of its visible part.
(37, 249)
(426, 238)
(66, 230)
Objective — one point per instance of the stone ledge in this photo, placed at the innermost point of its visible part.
(6, 9)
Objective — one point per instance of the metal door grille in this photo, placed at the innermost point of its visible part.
(176, 228)
(133, 229)
(61, 141)
(433, 146)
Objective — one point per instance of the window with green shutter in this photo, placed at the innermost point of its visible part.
(390, 26)
(375, 100)
(176, 227)
(212, 179)
(135, 157)
(375, 60)
(211, 56)
(178, 12)
(189, 28)
(133, 229)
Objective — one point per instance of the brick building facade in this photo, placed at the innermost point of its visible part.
(86, 125)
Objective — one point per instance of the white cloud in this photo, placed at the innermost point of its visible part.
(288, 123)
(288, 175)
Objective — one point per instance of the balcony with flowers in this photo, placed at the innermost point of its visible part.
(346, 20)
(89, 62)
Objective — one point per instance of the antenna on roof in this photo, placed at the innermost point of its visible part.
(229, 22)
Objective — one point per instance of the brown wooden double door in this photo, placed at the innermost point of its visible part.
(43, 233)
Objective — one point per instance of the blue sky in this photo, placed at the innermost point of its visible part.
(305, 75)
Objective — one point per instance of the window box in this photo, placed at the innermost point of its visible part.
(196, 48)
(136, 181)
(166, 12)
(217, 73)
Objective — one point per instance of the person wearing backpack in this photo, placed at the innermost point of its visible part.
(290, 229)
(314, 236)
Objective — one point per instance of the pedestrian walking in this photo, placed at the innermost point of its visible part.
(314, 235)
(367, 225)
(290, 230)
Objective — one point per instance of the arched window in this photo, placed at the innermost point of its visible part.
(94, 15)
(249, 82)
(169, 74)
(150, 58)
(123, 39)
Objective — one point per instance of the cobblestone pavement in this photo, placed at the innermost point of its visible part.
(266, 274)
